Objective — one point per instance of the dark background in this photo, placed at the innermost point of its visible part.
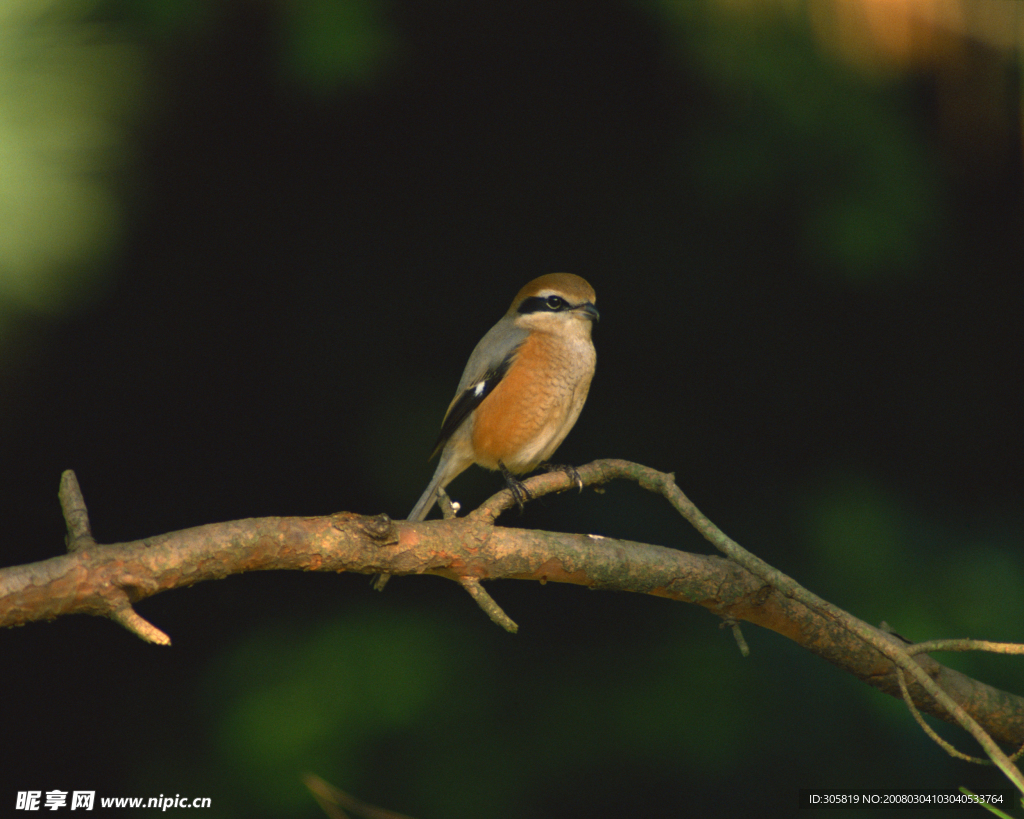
(804, 226)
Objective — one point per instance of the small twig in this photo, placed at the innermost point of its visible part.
(488, 604)
(929, 646)
(76, 516)
(939, 740)
(333, 800)
(947, 747)
(737, 635)
(129, 618)
(449, 508)
(72, 503)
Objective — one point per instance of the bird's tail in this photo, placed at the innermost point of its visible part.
(427, 499)
(451, 465)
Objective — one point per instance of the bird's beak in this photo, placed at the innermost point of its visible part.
(588, 310)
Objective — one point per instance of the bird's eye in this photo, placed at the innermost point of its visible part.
(556, 303)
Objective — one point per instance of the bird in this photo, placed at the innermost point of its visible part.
(523, 387)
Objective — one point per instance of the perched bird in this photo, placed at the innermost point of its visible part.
(523, 387)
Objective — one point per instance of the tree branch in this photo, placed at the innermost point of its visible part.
(107, 579)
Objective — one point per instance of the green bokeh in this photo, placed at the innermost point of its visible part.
(67, 89)
(292, 702)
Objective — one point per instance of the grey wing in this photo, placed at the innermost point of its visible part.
(498, 344)
(487, 365)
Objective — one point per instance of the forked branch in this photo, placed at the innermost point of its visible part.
(108, 579)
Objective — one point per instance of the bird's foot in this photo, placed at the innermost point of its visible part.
(568, 469)
(519, 492)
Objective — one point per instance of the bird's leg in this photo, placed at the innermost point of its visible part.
(515, 486)
(568, 469)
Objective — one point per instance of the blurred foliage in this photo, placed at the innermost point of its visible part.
(329, 44)
(318, 701)
(927, 576)
(71, 79)
(162, 21)
(394, 703)
(791, 128)
(321, 44)
(66, 87)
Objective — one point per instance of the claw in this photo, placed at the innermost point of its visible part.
(515, 486)
(568, 469)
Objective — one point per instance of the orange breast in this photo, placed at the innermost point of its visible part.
(532, 409)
